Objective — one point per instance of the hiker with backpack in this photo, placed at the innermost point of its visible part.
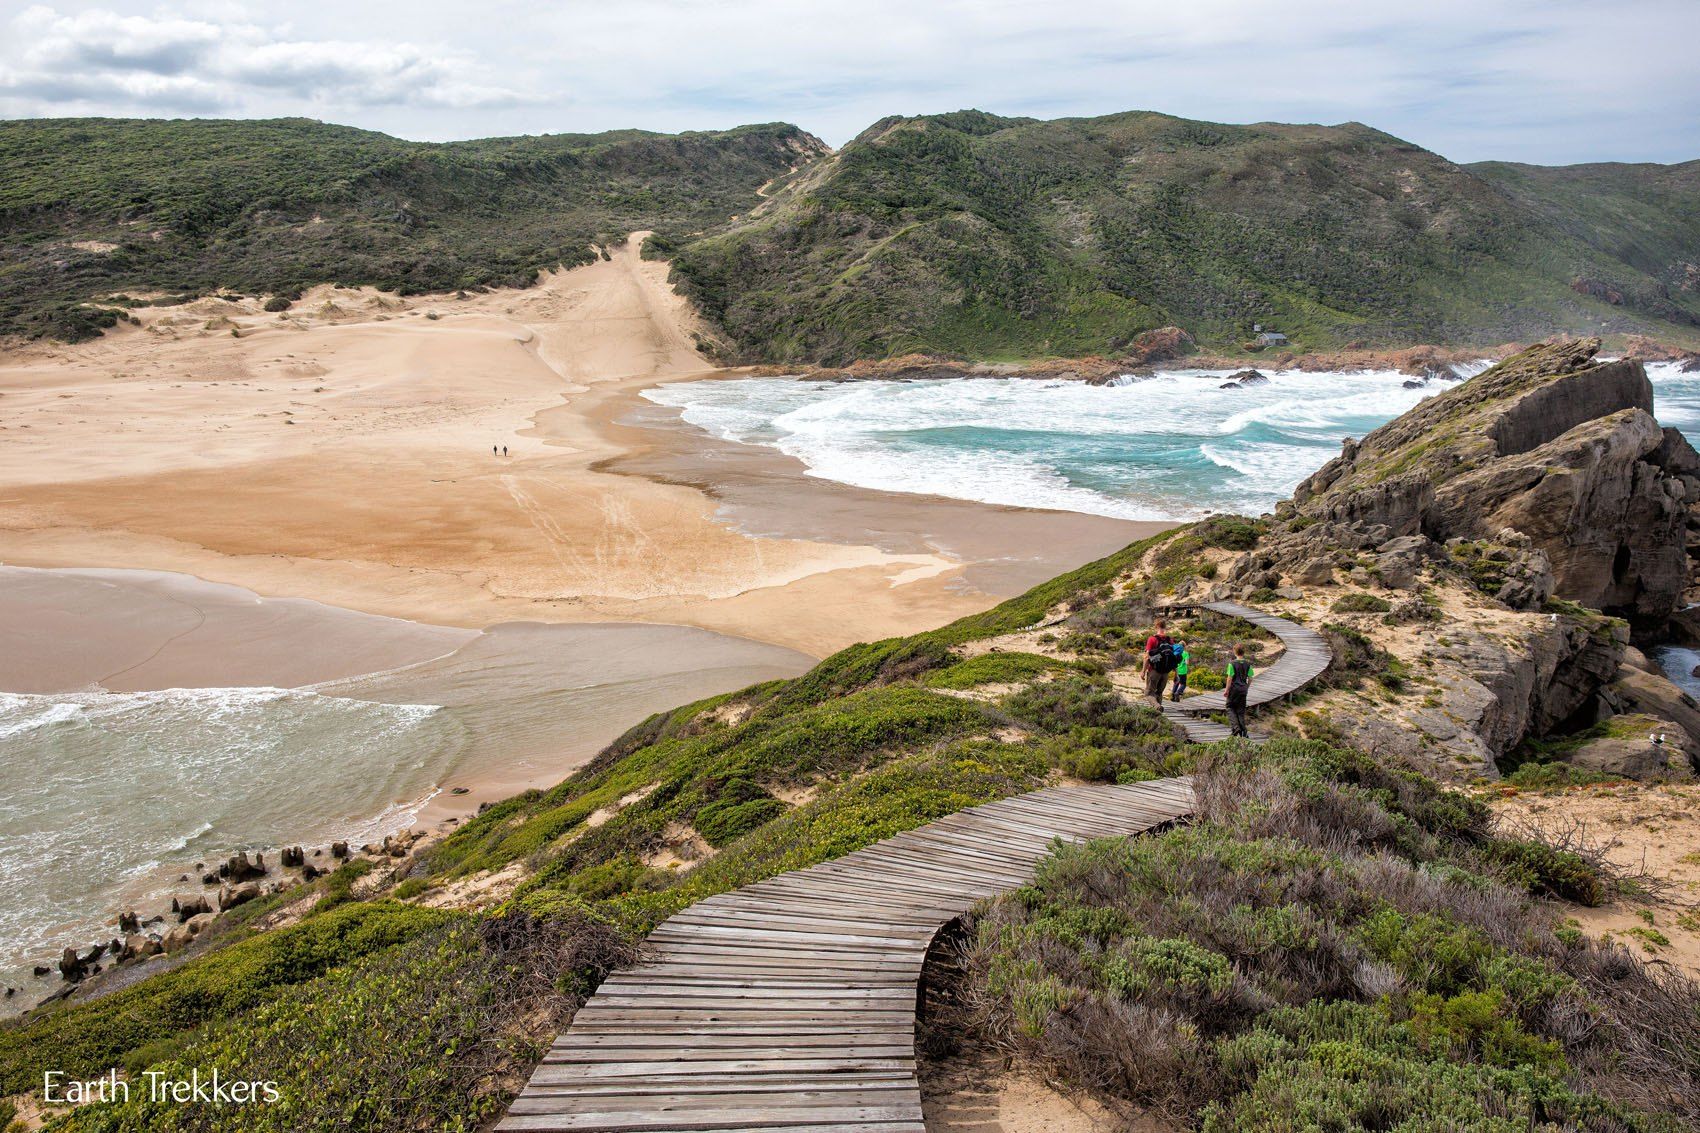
(1239, 676)
(1183, 664)
(1160, 661)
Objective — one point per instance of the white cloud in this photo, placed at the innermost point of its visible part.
(97, 59)
(1541, 80)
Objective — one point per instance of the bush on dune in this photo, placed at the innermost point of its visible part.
(422, 1035)
(1332, 946)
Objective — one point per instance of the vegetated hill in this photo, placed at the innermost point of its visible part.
(1337, 937)
(91, 208)
(1646, 216)
(973, 235)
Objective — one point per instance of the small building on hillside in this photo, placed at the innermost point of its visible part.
(1271, 338)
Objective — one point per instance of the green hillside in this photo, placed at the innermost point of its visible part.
(1335, 941)
(987, 237)
(961, 234)
(92, 208)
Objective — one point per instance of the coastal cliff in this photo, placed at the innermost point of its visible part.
(1560, 449)
(1508, 540)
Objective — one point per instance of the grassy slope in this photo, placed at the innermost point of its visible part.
(1332, 945)
(269, 207)
(426, 1019)
(985, 237)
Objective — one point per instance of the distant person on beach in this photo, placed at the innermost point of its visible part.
(504, 450)
(1239, 676)
(1183, 663)
(1159, 660)
(492, 450)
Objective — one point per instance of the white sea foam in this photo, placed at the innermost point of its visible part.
(1172, 445)
(1168, 446)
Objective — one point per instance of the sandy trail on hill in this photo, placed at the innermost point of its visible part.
(341, 451)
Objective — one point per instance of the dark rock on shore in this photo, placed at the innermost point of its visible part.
(239, 868)
(230, 896)
(190, 907)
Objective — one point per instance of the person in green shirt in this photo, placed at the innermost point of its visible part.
(1181, 665)
(1239, 676)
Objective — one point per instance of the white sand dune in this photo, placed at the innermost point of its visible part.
(341, 451)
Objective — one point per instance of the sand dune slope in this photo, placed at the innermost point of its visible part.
(342, 451)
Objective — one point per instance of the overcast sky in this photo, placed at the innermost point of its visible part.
(1529, 80)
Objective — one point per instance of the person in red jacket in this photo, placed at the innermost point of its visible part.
(1158, 661)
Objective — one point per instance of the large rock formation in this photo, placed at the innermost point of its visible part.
(1544, 478)
(1551, 446)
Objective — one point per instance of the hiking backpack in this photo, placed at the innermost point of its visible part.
(1239, 678)
(1165, 658)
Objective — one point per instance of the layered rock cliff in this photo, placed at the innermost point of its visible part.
(1502, 543)
(1563, 452)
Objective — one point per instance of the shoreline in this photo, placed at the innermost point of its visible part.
(334, 460)
(521, 705)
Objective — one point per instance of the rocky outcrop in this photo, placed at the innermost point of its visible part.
(1637, 747)
(1560, 451)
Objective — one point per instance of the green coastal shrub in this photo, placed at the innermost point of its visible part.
(1360, 603)
(994, 668)
(85, 1039)
(1331, 945)
(410, 1037)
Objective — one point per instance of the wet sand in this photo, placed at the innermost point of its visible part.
(137, 630)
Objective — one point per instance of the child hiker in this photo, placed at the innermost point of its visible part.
(1183, 662)
(1239, 684)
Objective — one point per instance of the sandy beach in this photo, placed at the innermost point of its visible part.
(341, 452)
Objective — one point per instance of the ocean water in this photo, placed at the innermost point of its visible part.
(1171, 446)
(108, 796)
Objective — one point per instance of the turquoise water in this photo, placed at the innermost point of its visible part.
(1173, 446)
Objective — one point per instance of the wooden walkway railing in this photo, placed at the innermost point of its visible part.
(1305, 657)
(790, 1004)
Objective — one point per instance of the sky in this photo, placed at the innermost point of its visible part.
(1550, 81)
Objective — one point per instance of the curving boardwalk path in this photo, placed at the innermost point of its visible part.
(1305, 656)
(790, 1004)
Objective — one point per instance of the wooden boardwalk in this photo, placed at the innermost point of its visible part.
(790, 1004)
(1305, 656)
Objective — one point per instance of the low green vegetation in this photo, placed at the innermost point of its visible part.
(973, 236)
(132, 1028)
(1332, 945)
(1359, 602)
(94, 211)
(403, 1037)
(994, 669)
